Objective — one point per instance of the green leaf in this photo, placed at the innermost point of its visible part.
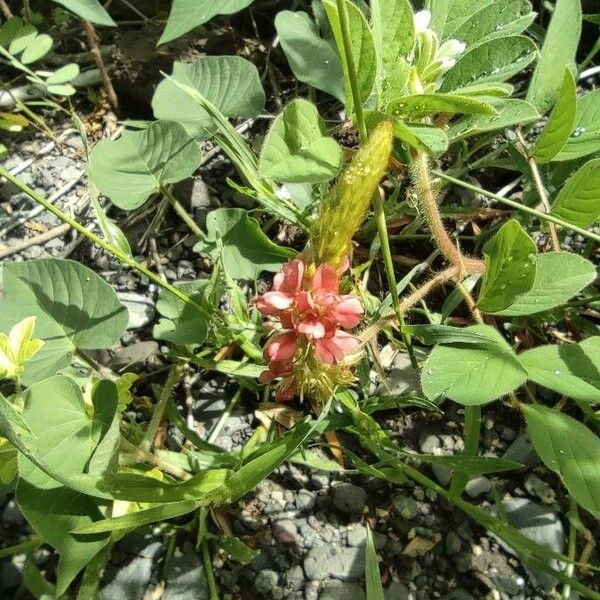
(231, 83)
(363, 49)
(66, 436)
(183, 324)
(372, 576)
(568, 448)
(90, 10)
(246, 250)
(236, 549)
(393, 31)
(585, 137)
(313, 60)
(186, 15)
(64, 74)
(439, 15)
(422, 137)
(558, 53)
(510, 17)
(571, 370)
(459, 11)
(578, 202)
(471, 465)
(297, 149)
(448, 335)
(492, 61)
(74, 307)
(129, 170)
(510, 266)
(510, 113)
(559, 276)
(560, 124)
(472, 376)
(37, 48)
(422, 105)
(139, 518)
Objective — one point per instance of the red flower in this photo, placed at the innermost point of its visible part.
(316, 313)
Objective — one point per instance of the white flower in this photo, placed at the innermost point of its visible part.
(422, 20)
(283, 193)
(447, 64)
(451, 49)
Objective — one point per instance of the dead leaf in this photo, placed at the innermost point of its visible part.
(419, 546)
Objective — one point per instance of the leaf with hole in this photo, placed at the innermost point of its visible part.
(510, 266)
(560, 123)
(237, 239)
(231, 83)
(67, 437)
(568, 448)
(578, 202)
(140, 163)
(312, 58)
(90, 10)
(297, 149)
(559, 277)
(186, 15)
(585, 137)
(490, 62)
(499, 19)
(572, 370)
(74, 307)
(362, 47)
(472, 375)
(558, 52)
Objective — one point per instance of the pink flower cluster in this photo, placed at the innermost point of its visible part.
(316, 313)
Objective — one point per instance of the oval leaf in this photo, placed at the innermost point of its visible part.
(422, 105)
(509, 267)
(296, 149)
(135, 166)
(568, 448)
(231, 83)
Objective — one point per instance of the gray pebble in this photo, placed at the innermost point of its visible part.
(320, 480)
(294, 578)
(323, 562)
(141, 309)
(336, 590)
(453, 544)
(478, 486)
(131, 582)
(285, 531)
(10, 575)
(396, 591)
(428, 443)
(305, 500)
(349, 498)
(405, 507)
(11, 515)
(266, 581)
(442, 473)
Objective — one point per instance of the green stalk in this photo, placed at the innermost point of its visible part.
(92, 237)
(472, 431)
(185, 217)
(351, 66)
(172, 380)
(571, 548)
(526, 209)
(210, 576)
(23, 547)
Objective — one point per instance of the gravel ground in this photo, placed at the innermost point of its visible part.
(308, 525)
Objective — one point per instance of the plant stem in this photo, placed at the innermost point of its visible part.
(92, 237)
(172, 380)
(526, 209)
(386, 253)
(180, 210)
(5, 9)
(23, 547)
(541, 189)
(210, 576)
(214, 434)
(472, 432)
(351, 68)
(92, 38)
(571, 549)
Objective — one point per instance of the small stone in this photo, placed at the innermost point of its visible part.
(538, 487)
(397, 591)
(10, 575)
(141, 309)
(294, 578)
(323, 562)
(336, 590)
(305, 500)
(405, 507)
(442, 473)
(285, 531)
(508, 434)
(185, 579)
(349, 498)
(131, 581)
(478, 486)
(357, 536)
(266, 581)
(453, 544)
(320, 480)
(429, 443)
(11, 515)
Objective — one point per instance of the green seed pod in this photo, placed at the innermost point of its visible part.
(345, 206)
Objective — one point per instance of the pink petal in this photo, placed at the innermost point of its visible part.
(280, 368)
(272, 302)
(348, 313)
(323, 351)
(332, 349)
(304, 302)
(289, 279)
(326, 279)
(345, 342)
(281, 348)
(312, 328)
